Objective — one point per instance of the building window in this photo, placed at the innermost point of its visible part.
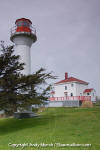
(65, 87)
(66, 94)
(52, 95)
(20, 23)
(52, 88)
(88, 93)
(72, 85)
(71, 94)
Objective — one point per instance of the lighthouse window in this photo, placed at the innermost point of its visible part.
(26, 24)
(20, 23)
(65, 87)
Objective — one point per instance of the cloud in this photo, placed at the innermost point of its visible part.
(68, 33)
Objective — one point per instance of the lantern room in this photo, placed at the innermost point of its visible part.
(23, 25)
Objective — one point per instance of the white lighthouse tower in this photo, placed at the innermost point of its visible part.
(23, 35)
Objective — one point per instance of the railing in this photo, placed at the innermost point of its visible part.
(80, 98)
(14, 30)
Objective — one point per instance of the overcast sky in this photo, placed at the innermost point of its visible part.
(68, 35)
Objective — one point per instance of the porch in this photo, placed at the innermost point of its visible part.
(79, 98)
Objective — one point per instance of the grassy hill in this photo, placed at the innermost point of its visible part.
(54, 125)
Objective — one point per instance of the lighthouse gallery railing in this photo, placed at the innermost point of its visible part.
(14, 30)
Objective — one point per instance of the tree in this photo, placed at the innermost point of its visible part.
(16, 89)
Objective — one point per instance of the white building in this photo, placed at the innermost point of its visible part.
(72, 89)
(90, 92)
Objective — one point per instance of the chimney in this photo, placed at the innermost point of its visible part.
(66, 75)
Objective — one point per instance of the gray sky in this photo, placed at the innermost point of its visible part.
(68, 33)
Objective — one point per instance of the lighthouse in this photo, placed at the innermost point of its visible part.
(23, 35)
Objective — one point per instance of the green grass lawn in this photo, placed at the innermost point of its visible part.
(54, 125)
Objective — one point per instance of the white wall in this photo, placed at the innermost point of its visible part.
(60, 89)
(22, 48)
(76, 89)
(24, 52)
(80, 89)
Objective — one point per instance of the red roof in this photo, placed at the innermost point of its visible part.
(87, 90)
(23, 19)
(72, 79)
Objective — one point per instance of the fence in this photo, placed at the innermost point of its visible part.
(80, 98)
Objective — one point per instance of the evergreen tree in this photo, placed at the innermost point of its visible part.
(16, 89)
